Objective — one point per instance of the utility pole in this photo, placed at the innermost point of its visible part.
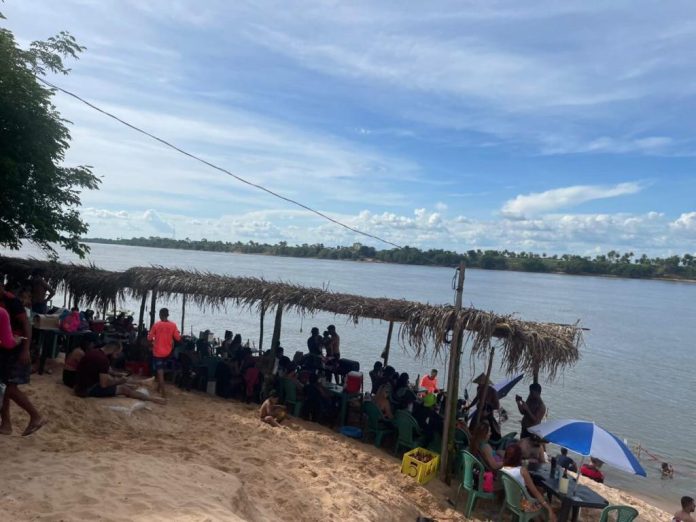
(452, 383)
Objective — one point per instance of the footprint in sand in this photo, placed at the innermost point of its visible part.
(254, 460)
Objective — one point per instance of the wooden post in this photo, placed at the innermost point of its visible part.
(141, 318)
(536, 375)
(263, 314)
(153, 304)
(104, 310)
(385, 355)
(275, 340)
(183, 310)
(482, 399)
(452, 384)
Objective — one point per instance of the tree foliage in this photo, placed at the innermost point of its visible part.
(613, 263)
(40, 198)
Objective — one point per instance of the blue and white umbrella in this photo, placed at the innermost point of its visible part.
(502, 388)
(590, 440)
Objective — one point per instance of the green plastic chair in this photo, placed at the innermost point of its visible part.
(514, 493)
(406, 426)
(470, 466)
(376, 423)
(291, 397)
(623, 514)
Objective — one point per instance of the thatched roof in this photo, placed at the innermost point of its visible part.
(523, 345)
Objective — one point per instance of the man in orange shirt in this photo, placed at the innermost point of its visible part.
(429, 382)
(162, 335)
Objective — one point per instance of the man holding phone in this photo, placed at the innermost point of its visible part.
(533, 409)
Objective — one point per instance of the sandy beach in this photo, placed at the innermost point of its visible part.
(200, 458)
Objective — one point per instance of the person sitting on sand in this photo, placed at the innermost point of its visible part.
(271, 412)
(688, 506)
(162, 335)
(95, 379)
(74, 358)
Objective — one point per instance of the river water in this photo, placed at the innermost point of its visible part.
(634, 377)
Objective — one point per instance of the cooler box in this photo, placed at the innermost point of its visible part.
(354, 382)
(46, 321)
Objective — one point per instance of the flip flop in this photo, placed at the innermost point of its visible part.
(33, 428)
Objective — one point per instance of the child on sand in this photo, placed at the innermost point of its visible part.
(271, 412)
(162, 334)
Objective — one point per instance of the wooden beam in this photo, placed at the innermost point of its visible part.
(153, 305)
(452, 386)
(387, 347)
(263, 315)
(183, 311)
(275, 340)
(141, 317)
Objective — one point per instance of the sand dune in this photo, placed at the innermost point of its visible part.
(200, 458)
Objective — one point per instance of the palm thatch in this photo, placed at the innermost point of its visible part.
(524, 346)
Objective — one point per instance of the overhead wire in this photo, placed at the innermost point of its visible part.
(216, 167)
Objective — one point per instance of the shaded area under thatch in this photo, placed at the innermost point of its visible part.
(523, 345)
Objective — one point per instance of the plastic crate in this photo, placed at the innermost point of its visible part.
(421, 471)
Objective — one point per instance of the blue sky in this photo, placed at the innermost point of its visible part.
(543, 126)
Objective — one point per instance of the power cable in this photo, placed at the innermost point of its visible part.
(216, 167)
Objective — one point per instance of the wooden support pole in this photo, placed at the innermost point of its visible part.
(387, 347)
(275, 340)
(141, 317)
(263, 315)
(536, 375)
(183, 310)
(104, 306)
(452, 385)
(153, 305)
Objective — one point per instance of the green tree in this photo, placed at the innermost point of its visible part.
(40, 198)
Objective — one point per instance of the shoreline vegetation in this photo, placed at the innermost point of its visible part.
(613, 264)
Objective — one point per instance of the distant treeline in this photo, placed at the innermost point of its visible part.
(613, 263)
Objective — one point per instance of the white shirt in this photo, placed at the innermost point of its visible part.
(515, 473)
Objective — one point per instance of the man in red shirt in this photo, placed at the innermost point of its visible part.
(162, 335)
(15, 367)
(429, 382)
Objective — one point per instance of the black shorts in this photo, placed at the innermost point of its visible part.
(11, 370)
(98, 391)
(69, 378)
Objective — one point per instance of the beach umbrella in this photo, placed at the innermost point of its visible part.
(502, 388)
(590, 440)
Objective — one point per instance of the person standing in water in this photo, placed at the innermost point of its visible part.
(162, 335)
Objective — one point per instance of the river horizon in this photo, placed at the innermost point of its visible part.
(640, 331)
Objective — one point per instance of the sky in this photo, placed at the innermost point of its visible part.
(556, 127)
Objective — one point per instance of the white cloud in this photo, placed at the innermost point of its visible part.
(566, 197)
(651, 232)
(686, 223)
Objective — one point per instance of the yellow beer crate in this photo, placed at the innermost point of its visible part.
(413, 465)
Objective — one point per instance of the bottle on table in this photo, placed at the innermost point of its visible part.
(563, 483)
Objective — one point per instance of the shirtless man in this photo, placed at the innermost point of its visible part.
(271, 412)
(688, 507)
(41, 292)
